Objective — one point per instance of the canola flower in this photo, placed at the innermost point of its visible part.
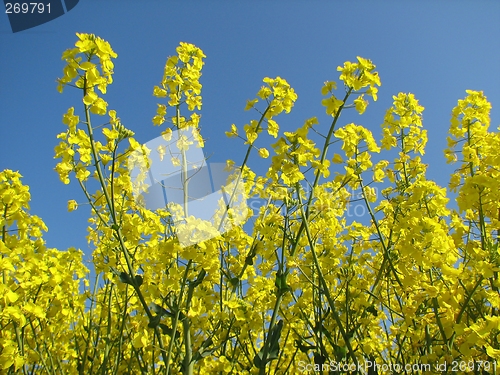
(306, 287)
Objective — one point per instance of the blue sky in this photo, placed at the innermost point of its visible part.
(435, 50)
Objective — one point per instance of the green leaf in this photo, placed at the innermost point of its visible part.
(157, 309)
(304, 348)
(203, 351)
(138, 280)
(273, 353)
(280, 282)
(319, 359)
(275, 335)
(155, 321)
(168, 331)
(125, 278)
(340, 352)
(273, 345)
(257, 360)
(372, 310)
(199, 278)
(234, 281)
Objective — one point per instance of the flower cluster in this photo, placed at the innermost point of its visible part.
(181, 84)
(413, 281)
(40, 287)
(355, 77)
(81, 65)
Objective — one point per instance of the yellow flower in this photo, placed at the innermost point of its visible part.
(328, 87)
(233, 132)
(263, 153)
(90, 98)
(159, 92)
(71, 119)
(99, 107)
(264, 92)
(332, 105)
(72, 205)
(337, 159)
(251, 132)
(360, 104)
(175, 161)
(183, 143)
(250, 104)
(272, 128)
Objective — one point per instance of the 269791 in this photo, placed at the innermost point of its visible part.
(17, 8)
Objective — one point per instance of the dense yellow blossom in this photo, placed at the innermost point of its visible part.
(349, 259)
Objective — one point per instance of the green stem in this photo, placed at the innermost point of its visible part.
(435, 308)
(282, 289)
(107, 349)
(323, 283)
(381, 237)
(245, 160)
(177, 317)
(318, 173)
(117, 232)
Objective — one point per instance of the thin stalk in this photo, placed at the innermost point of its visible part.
(177, 317)
(435, 308)
(117, 232)
(107, 349)
(280, 293)
(245, 160)
(381, 237)
(323, 283)
(316, 178)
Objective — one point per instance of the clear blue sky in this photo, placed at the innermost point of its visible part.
(434, 49)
